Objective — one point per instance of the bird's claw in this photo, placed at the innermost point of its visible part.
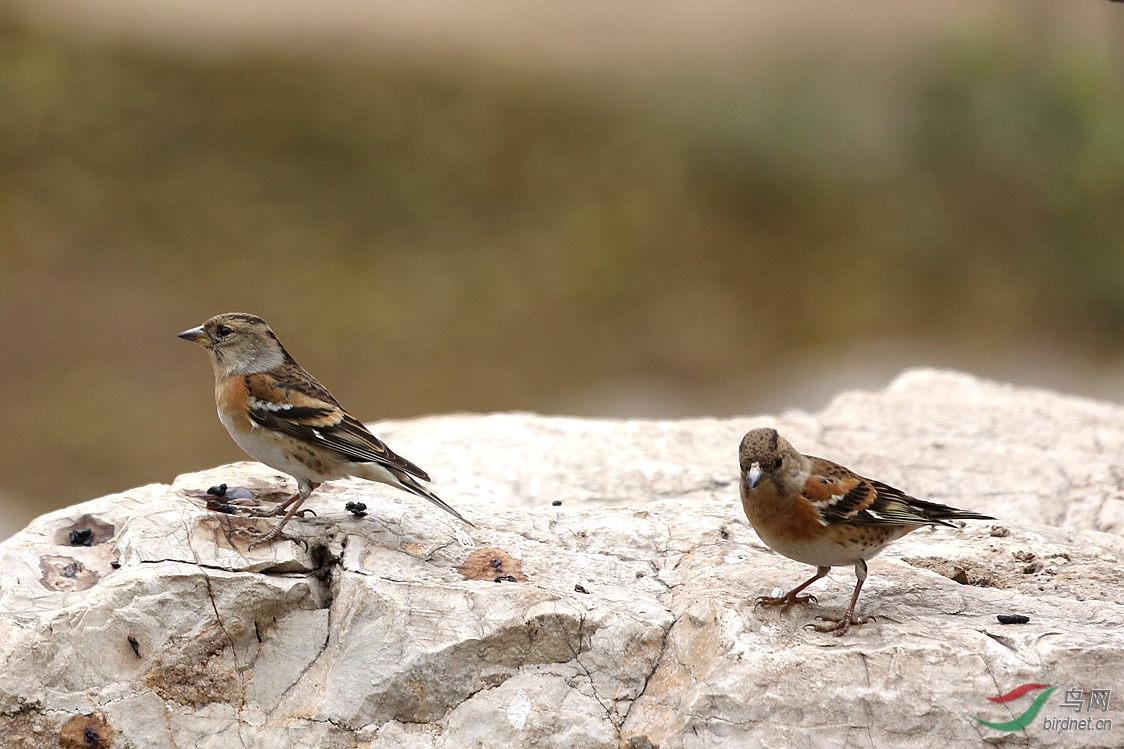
(838, 625)
(785, 600)
(279, 510)
(272, 534)
(236, 507)
(272, 512)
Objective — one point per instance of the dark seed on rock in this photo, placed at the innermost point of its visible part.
(579, 588)
(1013, 618)
(217, 506)
(556, 503)
(506, 579)
(81, 537)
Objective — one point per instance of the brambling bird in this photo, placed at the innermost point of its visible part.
(281, 416)
(820, 513)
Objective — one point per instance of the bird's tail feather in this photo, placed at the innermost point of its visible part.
(410, 484)
(936, 511)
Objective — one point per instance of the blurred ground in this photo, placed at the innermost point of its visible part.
(609, 209)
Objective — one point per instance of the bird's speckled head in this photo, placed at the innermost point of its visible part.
(239, 343)
(763, 454)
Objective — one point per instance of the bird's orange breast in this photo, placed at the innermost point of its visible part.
(232, 399)
(784, 519)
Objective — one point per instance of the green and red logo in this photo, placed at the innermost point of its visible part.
(1028, 716)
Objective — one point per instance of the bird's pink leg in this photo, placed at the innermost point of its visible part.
(295, 501)
(279, 508)
(791, 596)
(842, 624)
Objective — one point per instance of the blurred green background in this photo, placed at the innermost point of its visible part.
(612, 209)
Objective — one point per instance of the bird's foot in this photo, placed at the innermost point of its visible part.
(839, 625)
(785, 600)
(228, 508)
(262, 537)
(273, 512)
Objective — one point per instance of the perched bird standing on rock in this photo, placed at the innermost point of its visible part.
(820, 513)
(280, 415)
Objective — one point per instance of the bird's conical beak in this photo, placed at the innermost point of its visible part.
(195, 335)
(753, 475)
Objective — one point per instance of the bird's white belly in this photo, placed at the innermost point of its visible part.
(823, 552)
(277, 453)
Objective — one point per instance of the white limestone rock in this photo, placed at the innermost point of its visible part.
(622, 617)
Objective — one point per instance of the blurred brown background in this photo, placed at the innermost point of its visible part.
(620, 208)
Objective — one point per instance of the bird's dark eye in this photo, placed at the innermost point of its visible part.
(777, 463)
(223, 331)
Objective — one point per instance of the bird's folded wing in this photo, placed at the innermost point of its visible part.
(321, 423)
(842, 496)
